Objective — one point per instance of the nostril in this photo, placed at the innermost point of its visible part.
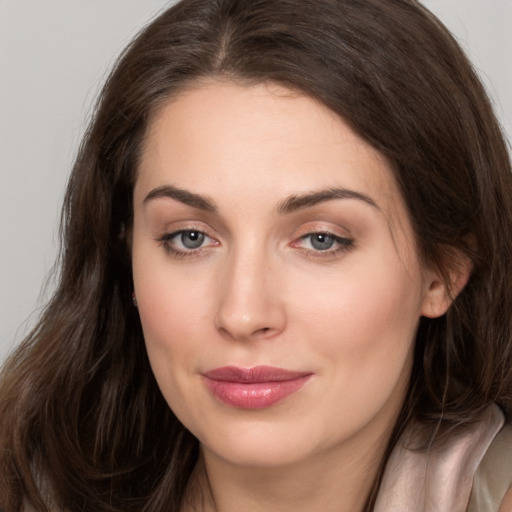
(263, 330)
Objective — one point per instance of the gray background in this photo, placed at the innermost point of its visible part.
(54, 55)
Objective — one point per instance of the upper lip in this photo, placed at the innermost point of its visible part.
(253, 375)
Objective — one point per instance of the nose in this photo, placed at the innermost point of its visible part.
(250, 304)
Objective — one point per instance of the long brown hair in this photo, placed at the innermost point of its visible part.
(83, 425)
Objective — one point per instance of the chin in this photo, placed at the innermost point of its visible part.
(260, 445)
(267, 456)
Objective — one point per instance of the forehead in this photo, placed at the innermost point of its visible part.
(220, 137)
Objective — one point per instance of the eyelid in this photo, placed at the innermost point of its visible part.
(179, 226)
(309, 228)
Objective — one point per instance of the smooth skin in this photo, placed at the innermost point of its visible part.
(267, 233)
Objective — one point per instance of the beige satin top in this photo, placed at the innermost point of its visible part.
(471, 471)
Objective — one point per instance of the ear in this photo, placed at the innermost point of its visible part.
(444, 285)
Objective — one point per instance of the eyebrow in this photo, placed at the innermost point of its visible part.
(291, 204)
(183, 196)
(302, 201)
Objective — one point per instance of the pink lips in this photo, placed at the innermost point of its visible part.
(253, 388)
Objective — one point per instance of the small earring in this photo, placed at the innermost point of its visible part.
(134, 299)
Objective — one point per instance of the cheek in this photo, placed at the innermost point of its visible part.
(174, 337)
(364, 329)
(170, 314)
(364, 319)
(170, 310)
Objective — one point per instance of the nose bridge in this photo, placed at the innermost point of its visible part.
(249, 304)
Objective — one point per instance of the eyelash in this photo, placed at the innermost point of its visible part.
(167, 239)
(343, 244)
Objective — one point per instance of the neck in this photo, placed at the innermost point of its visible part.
(339, 480)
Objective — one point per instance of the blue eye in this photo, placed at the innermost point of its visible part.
(322, 241)
(191, 239)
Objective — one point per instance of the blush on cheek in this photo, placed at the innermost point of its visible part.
(171, 320)
(366, 321)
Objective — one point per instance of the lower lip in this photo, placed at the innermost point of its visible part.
(254, 395)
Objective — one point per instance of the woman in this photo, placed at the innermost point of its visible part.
(285, 283)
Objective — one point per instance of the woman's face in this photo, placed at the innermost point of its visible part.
(277, 278)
